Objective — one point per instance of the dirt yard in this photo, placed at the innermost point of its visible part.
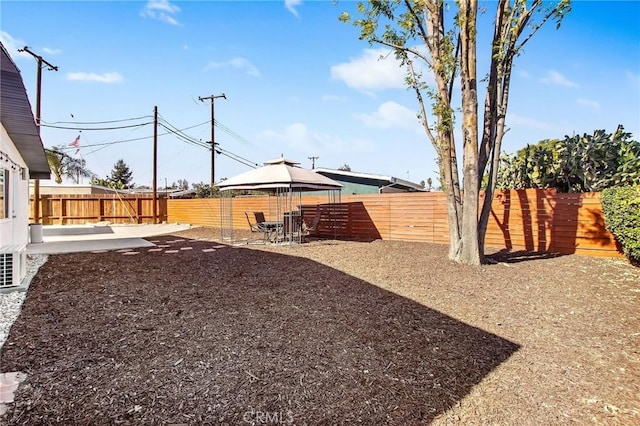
(325, 333)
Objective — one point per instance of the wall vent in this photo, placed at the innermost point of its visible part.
(9, 269)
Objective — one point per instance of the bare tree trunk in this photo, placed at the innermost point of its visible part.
(469, 252)
(441, 56)
(452, 191)
(488, 152)
(509, 24)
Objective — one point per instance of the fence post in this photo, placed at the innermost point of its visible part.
(61, 211)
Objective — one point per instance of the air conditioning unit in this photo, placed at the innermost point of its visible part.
(9, 269)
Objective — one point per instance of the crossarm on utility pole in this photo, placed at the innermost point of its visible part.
(213, 143)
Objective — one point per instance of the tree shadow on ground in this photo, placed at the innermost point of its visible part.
(230, 336)
(517, 256)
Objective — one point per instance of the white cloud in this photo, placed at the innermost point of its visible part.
(107, 77)
(291, 6)
(369, 72)
(51, 51)
(391, 115)
(589, 103)
(297, 136)
(12, 45)
(554, 78)
(161, 10)
(238, 63)
(514, 120)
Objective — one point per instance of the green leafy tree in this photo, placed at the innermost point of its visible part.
(448, 32)
(203, 190)
(182, 184)
(621, 206)
(345, 168)
(121, 175)
(576, 164)
(106, 182)
(63, 165)
(535, 166)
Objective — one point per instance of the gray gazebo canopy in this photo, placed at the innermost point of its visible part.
(277, 174)
(280, 178)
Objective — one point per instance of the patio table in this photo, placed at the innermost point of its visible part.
(271, 229)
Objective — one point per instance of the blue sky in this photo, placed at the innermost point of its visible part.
(298, 82)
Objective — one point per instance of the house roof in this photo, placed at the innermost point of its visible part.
(17, 118)
(370, 179)
(279, 173)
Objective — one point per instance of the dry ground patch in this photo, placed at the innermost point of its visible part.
(325, 333)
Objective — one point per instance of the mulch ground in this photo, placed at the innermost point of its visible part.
(325, 333)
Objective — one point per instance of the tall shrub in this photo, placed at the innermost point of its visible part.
(621, 207)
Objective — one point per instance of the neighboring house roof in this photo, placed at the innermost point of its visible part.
(279, 173)
(49, 187)
(379, 181)
(184, 193)
(17, 118)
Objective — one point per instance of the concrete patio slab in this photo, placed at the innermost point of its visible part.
(85, 238)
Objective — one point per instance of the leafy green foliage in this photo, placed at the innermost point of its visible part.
(120, 178)
(621, 207)
(121, 175)
(203, 190)
(106, 182)
(576, 164)
(62, 164)
(435, 43)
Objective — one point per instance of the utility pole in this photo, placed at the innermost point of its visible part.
(213, 141)
(155, 164)
(41, 62)
(313, 162)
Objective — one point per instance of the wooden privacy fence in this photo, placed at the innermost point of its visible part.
(80, 209)
(533, 220)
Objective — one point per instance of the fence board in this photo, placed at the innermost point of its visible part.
(541, 220)
(81, 209)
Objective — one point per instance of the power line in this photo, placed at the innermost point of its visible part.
(186, 139)
(97, 128)
(97, 122)
(244, 161)
(104, 144)
(191, 140)
(181, 135)
(231, 133)
(235, 159)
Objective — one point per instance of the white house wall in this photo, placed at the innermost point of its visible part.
(14, 230)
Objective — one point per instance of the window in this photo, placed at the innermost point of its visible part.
(4, 193)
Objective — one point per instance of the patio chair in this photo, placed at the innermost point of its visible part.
(259, 217)
(306, 230)
(255, 227)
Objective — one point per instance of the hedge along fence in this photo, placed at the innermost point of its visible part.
(81, 209)
(533, 220)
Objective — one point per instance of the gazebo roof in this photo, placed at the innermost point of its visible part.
(280, 173)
